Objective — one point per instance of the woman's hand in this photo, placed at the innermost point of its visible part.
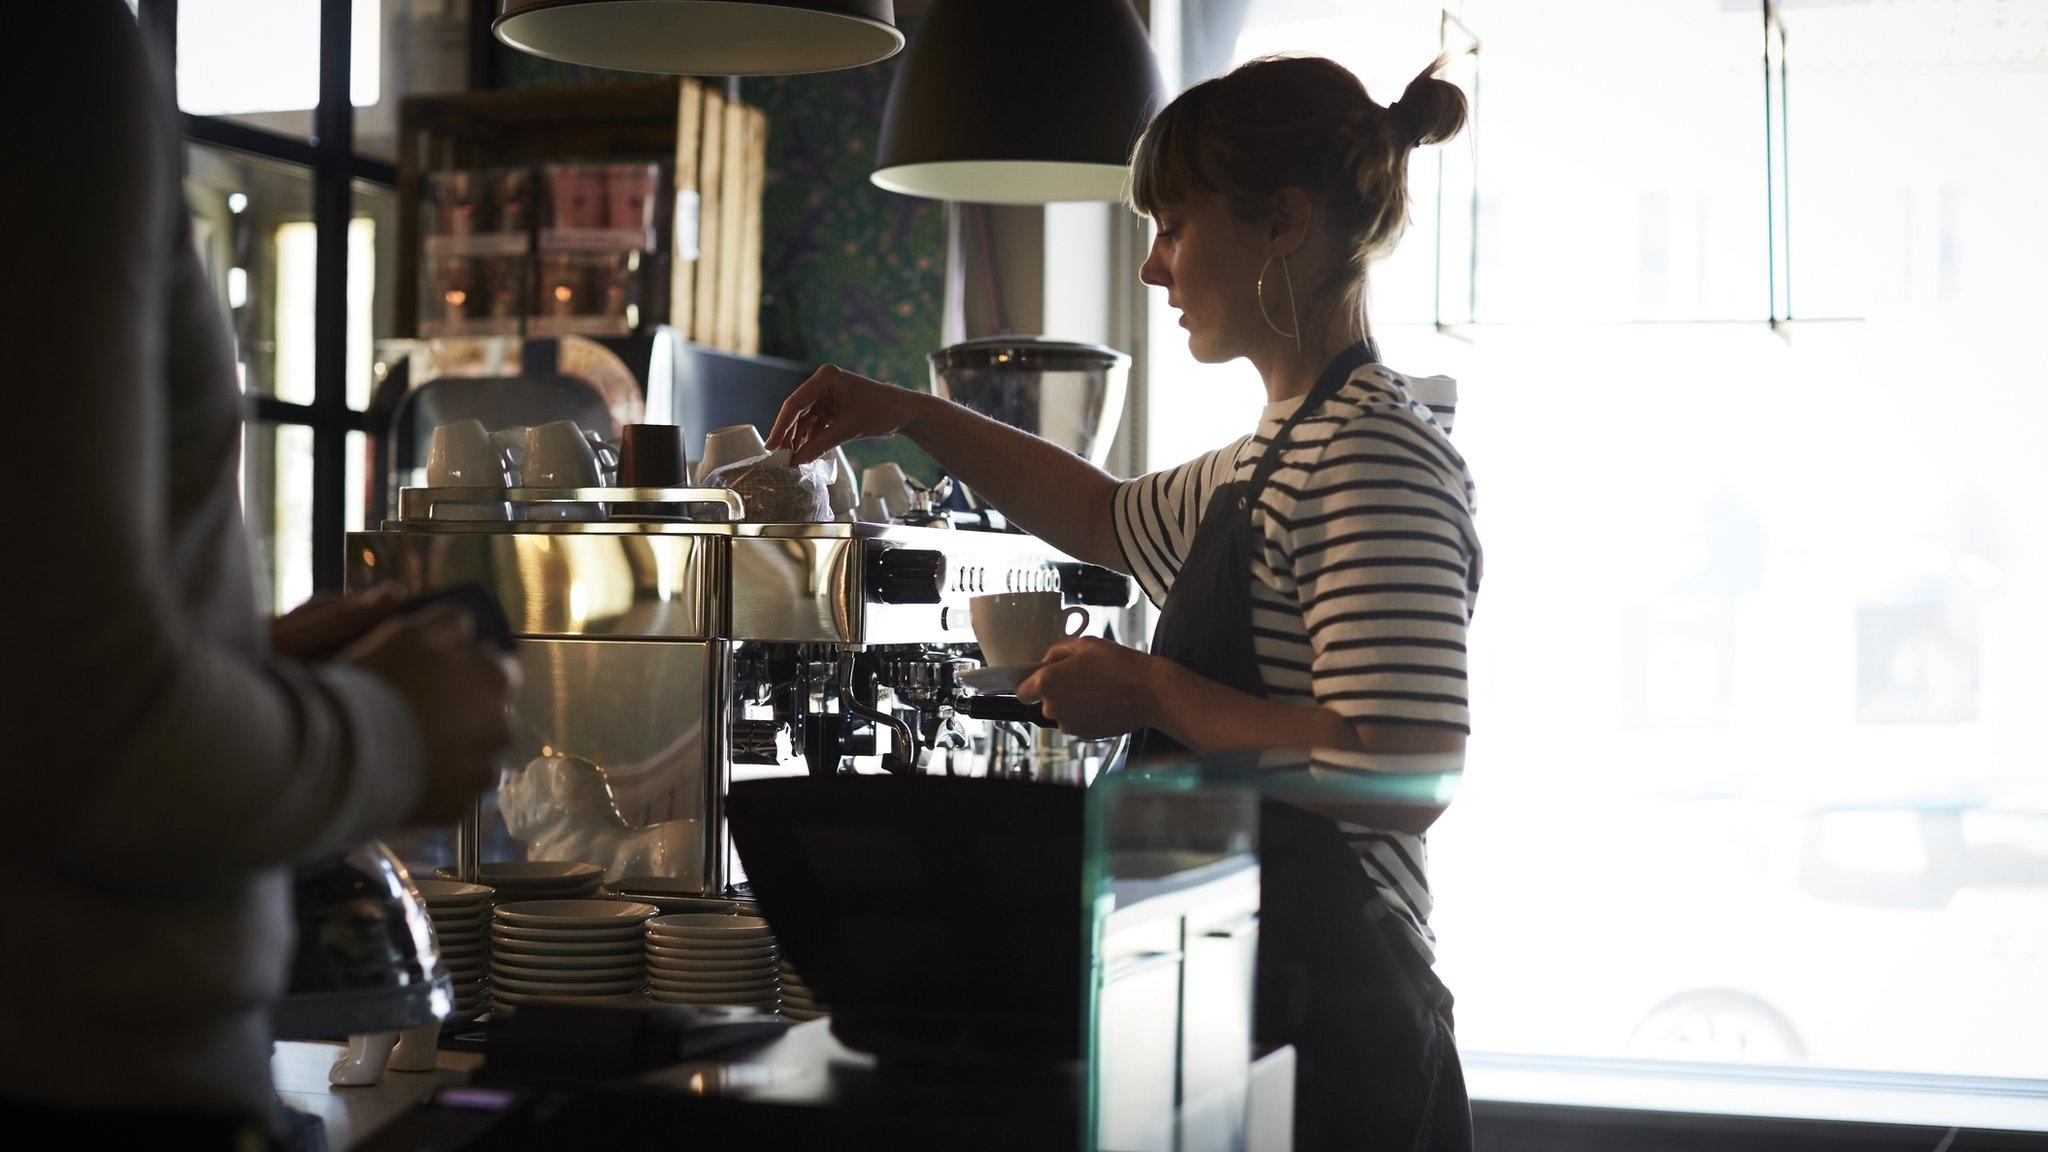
(835, 406)
(330, 622)
(1094, 688)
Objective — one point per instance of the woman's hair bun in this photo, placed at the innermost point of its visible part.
(1430, 110)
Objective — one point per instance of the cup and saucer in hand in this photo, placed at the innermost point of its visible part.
(1014, 629)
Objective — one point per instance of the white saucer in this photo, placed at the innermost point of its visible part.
(699, 964)
(590, 988)
(538, 873)
(576, 915)
(694, 999)
(565, 976)
(554, 946)
(717, 987)
(516, 998)
(596, 933)
(1001, 681)
(451, 893)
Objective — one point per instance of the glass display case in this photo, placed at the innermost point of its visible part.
(1172, 888)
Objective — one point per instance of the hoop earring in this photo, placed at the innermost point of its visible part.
(1260, 291)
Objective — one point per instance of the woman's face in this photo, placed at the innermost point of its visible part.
(1208, 260)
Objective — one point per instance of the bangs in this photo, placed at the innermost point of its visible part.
(1166, 161)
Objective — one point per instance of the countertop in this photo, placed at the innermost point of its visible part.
(299, 1069)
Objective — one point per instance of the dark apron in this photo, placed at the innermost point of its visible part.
(1376, 1066)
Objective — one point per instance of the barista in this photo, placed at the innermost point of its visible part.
(1315, 577)
(167, 760)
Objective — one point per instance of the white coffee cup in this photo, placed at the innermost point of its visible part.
(727, 445)
(1015, 628)
(887, 481)
(463, 455)
(559, 456)
(873, 509)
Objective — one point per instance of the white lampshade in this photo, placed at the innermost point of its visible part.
(704, 37)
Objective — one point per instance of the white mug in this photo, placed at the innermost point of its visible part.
(463, 455)
(873, 509)
(888, 481)
(728, 445)
(1015, 628)
(558, 456)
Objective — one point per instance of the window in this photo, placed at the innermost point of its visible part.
(1754, 405)
(294, 211)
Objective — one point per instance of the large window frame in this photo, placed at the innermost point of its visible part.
(1593, 1102)
(334, 165)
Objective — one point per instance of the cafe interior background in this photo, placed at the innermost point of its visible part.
(1744, 300)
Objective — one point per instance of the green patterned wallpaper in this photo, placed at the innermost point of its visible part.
(852, 275)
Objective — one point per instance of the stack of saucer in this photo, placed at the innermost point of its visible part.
(704, 959)
(462, 919)
(568, 949)
(798, 1001)
(537, 879)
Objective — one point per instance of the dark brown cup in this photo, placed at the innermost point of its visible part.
(651, 456)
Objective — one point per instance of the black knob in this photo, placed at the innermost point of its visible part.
(1095, 586)
(1007, 709)
(907, 576)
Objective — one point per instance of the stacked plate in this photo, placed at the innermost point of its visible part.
(708, 958)
(537, 879)
(462, 919)
(798, 1001)
(568, 949)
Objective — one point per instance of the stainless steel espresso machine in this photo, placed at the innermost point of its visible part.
(671, 647)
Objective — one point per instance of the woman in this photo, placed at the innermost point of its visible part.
(1315, 577)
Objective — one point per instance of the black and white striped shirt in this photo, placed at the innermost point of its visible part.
(1365, 574)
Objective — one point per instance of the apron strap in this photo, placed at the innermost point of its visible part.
(1327, 385)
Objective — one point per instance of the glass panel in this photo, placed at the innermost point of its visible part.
(1790, 725)
(1172, 880)
(1650, 206)
(253, 61)
(277, 508)
(372, 284)
(252, 221)
(356, 482)
(413, 47)
(1960, 225)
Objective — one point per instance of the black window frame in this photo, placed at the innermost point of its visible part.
(334, 165)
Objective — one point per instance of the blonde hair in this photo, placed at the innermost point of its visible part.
(1299, 121)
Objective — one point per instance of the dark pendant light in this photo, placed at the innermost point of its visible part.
(704, 37)
(1019, 102)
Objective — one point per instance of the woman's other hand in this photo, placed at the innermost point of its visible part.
(835, 406)
(1094, 688)
(331, 621)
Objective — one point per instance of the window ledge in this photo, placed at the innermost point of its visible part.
(1778, 1093)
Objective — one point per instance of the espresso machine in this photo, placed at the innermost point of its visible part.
(670, 647)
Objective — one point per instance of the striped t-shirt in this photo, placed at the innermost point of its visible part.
(1364, 575)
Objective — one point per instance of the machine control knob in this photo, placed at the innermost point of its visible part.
(1095, 586)
(907, 576)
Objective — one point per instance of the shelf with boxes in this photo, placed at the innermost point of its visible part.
(547, 212)
(542, 250)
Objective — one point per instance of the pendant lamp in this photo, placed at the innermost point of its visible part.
(1019, 102)
(704, 37)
